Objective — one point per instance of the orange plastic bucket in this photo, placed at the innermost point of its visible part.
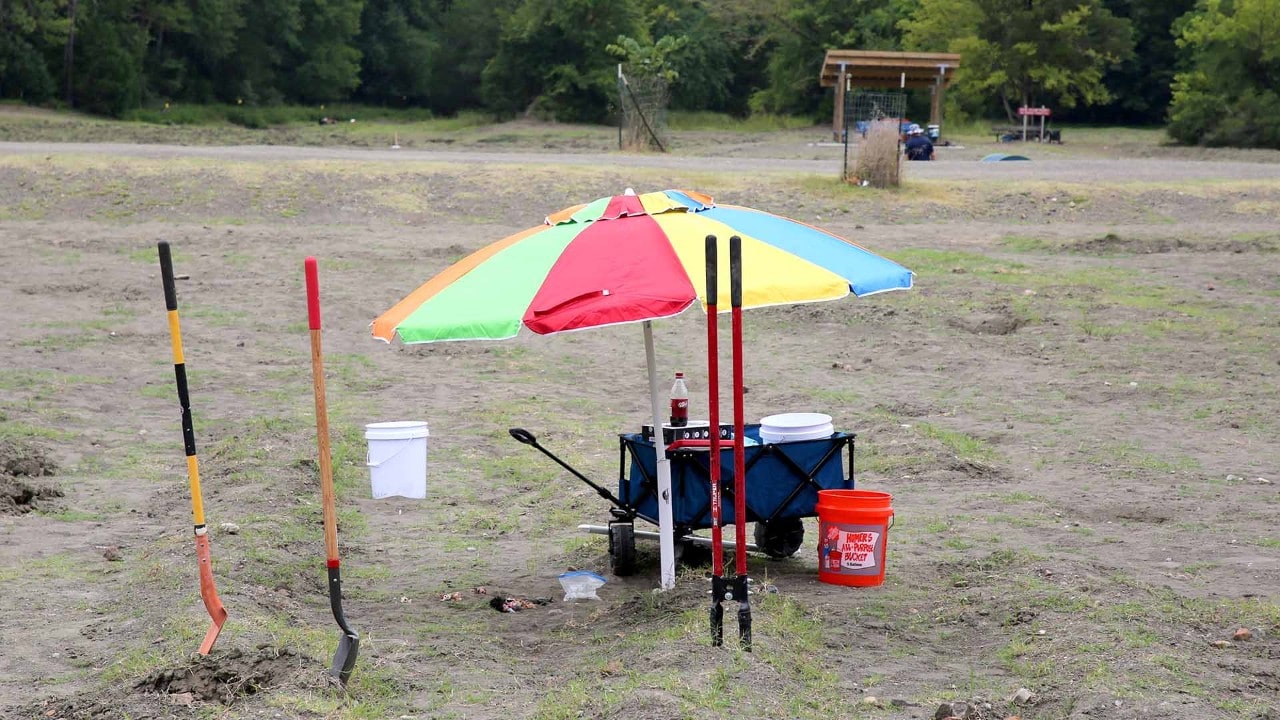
(853, 535)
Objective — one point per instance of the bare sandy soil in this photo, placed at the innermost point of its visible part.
(1074, 409)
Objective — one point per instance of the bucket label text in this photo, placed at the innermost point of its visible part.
(858, 549)
(844, 550)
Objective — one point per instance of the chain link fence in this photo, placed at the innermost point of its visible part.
(643, 100)
(872, 123)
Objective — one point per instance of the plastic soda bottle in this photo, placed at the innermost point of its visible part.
(679, 402)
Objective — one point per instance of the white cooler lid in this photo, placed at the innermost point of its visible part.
(794, 422)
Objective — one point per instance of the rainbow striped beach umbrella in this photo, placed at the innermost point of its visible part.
(632, 258)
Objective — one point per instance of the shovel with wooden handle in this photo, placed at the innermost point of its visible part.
(349, 644)
(208, 592)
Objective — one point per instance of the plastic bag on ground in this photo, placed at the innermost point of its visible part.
(580, 585)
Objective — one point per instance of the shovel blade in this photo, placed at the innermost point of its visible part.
(349, 645)
(344, 660)
(209, 593)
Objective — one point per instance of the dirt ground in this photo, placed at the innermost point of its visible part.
(1075, 410)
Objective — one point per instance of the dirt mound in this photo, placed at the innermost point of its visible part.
(996, 322)
(1113, 244)
(977, 469)
(906, 409)
(20, 460)
(19, 496)
(25, 459)
(226, 678)
(220, 678)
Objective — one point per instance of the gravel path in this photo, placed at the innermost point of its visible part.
(829, 160)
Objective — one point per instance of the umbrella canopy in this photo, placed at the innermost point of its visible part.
(630, 258)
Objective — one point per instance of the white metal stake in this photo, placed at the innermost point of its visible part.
(666, 523)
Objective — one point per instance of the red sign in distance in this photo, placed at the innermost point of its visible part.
(1035, 112)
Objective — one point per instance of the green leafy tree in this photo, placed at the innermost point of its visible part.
(254, 73)
(107, 75)
(469, 32)
(649, 59)
(1024, 52)
(28, 32)
(1140, 84)
(325, 62)
(188, 39)
(1228, 94)
(804, 30)
(718, 57)
(399, 43)
(552, 60)
(162, 22)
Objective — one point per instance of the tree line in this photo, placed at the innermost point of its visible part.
(1209, 69)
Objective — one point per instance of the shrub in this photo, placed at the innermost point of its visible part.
(878, 159)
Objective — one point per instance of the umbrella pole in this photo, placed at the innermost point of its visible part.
(666, 523)
(741, 583)
(718, 586)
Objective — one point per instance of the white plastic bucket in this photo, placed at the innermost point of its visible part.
(398, 458)
(791, 427)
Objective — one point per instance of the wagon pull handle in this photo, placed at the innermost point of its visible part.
(523, 436)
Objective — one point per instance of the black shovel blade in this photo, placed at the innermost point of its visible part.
(344, 660)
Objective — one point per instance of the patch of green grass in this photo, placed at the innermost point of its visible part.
(173, 645)
(1019, 656)
(962, 445)
(873, 458)
(925, 262)
(1021, 243)
(13, 379)
(16, 429)
(71, 515)
(215, 316)
(685, 120)
(836, 399)
(61, 566)
(1095, 329)
(1019, 522)
(1018, 496)
(151, 256)
(1130, 456)
(1195, 568)
(355, 373)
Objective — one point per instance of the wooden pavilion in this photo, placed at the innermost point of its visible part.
(845, 70)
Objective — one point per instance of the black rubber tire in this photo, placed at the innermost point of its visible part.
(692, 555)
(622, 549)
(780, 538)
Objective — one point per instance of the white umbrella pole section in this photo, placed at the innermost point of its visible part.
(666, 523)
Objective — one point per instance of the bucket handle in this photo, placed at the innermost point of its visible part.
(369, 462)
(891, 517)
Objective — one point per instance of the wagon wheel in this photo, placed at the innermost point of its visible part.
(780, 538)
(692, 554)
(622, 548)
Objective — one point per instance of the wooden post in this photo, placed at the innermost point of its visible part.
(837, 116)
(935, 104)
